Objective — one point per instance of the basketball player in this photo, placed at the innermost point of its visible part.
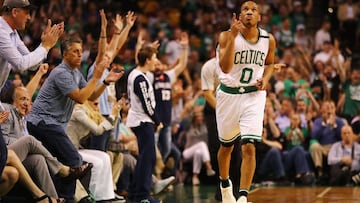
(243, 52)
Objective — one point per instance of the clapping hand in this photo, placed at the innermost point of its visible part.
(4, 116)
(51, 34)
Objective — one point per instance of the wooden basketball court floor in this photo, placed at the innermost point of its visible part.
(205, 194)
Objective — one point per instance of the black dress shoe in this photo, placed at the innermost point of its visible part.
(78, 172)
(87, 199)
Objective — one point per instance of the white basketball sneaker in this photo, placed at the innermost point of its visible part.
(227, 194)
(242, 199)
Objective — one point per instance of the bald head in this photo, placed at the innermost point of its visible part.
(347, 135)
(22, 100)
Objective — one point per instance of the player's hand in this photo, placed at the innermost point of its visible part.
(236, 25)
(261, 84)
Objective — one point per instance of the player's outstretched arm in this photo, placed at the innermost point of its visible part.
(227, 45)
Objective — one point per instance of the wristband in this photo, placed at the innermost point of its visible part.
(106, 83)
(117, 33)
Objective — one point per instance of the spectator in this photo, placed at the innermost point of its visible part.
(355, 125)
(293, 83)
(196, 148)
(162, 79)
(322, 35)
(285, 39)
(173, 47)
(301, 39)
(287, 109)
(348, 15)
(31, 152)
(14, 171)
(268, 151)
(14, 55)
(86, 119)
(325, 132)
(344, 158)
(300, 13)
(349, 101)
(143, 121)
(295, 156)
(54, 104)
(107, 98)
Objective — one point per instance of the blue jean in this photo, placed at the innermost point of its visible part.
(272, 164)
(176, 154)
(296, 159)
(100, 142)
(141, 185)
(54, 138)
(164, 141)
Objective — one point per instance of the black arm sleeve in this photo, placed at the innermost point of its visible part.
(141, 89)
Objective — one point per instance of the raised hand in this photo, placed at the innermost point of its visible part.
(50, 35)
(115, 74)
(140, 39)
(47, 28)
(130, 18)
(100, 67)
(236, 25)
(155, 44)
(103, 19)
(118, 22)
(184, 39)
(43, 69)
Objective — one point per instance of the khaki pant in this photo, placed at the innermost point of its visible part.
(116, 159)
(317, 152)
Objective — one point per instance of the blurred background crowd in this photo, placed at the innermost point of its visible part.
(320, 85)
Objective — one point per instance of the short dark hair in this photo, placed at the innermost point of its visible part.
(244, 1)
(145, 53)
(67, 42)
(7, 95)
